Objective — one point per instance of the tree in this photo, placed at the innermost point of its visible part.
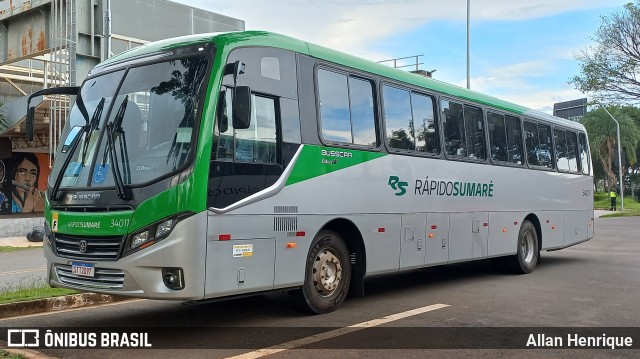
(634, 169)
(603, 139)
(609, 70)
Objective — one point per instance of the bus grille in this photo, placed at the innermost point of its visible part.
(111, 279)
(88, 248)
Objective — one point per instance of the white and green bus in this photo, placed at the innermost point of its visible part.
(219, 165)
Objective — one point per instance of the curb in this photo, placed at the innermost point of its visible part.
(56, 304)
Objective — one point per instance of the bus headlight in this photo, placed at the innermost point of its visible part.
(164, 228)
(153, 233)
(139, 239)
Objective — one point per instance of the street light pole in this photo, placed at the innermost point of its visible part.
(619, 159)
(468, 44)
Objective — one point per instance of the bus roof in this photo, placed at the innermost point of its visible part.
(270, 39)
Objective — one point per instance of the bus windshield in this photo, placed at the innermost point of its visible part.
(141, 125)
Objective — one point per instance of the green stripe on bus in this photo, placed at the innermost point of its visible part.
(91, 223)
(315, 161)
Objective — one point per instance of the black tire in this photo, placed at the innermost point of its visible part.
(526, 258)
(327, 275)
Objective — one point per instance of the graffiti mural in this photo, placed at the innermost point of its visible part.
(23, 181)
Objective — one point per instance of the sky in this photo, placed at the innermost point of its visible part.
(521, 50)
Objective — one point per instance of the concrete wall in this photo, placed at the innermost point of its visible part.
(19, 227)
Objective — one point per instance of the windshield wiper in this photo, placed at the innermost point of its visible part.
(74, 146)
(114, 128)
(90, 127)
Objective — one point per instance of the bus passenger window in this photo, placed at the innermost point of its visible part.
(398, 120)
(454, 134)
(257, 144)
(497, 137)
(362, 117)
(410, 121)
(572, 151)
(425, 124)
(562, 158)
(514, 140)
(505, 139)
(334, 106)
(223, 141)
(538, 142)
(532, 143)
(475, 133)
(584, 153)
(463, 130)
(346, 109)
(545, 149)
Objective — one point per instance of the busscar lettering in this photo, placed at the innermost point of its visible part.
(337, 154)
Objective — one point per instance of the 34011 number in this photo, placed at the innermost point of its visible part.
(120, 223)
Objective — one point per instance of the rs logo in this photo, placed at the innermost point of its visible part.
(398, 186)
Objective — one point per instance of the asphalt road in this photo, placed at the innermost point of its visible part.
(594, 284)
(22, 268)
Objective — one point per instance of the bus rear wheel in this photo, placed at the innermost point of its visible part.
(327, 275)
(528, 252)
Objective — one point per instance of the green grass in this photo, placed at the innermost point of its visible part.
(6, 355)
(30, 289)
(14, 249)
(602, 201)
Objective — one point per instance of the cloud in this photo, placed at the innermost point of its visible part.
(516, 83)
(359, 27)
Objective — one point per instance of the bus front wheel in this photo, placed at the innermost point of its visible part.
(327, 274)
(528, 253)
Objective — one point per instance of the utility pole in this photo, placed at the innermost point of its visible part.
(468, 44)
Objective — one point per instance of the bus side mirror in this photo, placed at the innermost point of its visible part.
(222, 119)
(242, 107)
(29, 123)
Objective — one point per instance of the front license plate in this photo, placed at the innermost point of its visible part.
(83, 269)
